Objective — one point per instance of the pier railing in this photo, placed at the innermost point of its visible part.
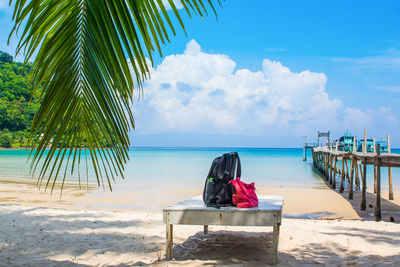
(308, 145)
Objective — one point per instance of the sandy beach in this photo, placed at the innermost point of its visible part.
(320, 226)
(116, 116)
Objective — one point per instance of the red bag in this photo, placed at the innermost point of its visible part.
(244, 195)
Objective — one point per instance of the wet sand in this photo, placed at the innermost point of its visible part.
(298, 202)
(319, 202)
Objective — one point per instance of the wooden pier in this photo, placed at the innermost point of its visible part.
(352, 167)
(305, 147)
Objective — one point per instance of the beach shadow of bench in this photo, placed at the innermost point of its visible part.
(227, 247)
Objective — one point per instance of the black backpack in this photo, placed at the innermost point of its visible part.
(217, 189)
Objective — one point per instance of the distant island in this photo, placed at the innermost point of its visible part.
(16, 113)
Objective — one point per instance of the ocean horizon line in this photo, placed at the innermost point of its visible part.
(217, 147)
(211, 147)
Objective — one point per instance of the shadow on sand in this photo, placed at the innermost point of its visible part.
(239, 248)
(34, 237)
(390, 209)
(226, 247)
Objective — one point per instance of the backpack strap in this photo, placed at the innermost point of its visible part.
(228, 166)
(238, 168)
(238, 165)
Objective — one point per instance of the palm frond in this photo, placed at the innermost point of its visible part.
(82, 50)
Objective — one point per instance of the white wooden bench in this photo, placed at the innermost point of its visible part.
(194, 212)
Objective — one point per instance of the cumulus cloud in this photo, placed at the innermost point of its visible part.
(356, 119)
(198, 92)
(381, 118)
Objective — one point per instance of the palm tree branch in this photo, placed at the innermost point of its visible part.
(83, 47)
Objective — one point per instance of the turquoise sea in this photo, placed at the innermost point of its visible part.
(188, 167)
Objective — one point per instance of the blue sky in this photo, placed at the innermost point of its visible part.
(269, 72)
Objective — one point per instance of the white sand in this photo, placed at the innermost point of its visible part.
(86, 230)
(32, 236)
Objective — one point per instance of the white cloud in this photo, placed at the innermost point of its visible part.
(356, 119)
(385, 60)
(198, 92)
(378, 121)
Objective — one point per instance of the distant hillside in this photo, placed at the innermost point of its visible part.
(15, 112)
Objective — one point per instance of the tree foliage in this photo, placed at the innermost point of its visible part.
(82, 50)
(16, 113)
(4, 57)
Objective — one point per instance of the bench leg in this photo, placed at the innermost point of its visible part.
(205, 229)
(275, 243)
(170, 242)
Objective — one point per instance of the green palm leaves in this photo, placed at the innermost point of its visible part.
(82, 50)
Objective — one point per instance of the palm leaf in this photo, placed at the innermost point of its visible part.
(82, 49)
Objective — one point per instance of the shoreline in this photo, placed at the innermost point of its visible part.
(316, 202)
(14, 148)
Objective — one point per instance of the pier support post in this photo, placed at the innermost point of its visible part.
(321, 162)
(374, 179)
(364, 185)
(352, 161)
(314, 158)
(357, 179)
(391, 197)
(334, 175)
(304, 153)
(347, 171)
(374, 150)
(378, 215)
(330, 168)
(312, 155)
(390, 170)
(341, 188)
